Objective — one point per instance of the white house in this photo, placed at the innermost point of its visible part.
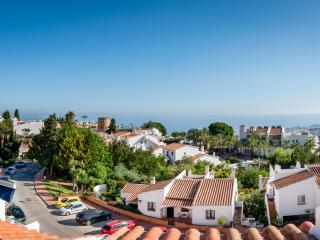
(201, 200)
(294, 192)
(145, 139)
(28, 128)
(300, 137)
(176, 151)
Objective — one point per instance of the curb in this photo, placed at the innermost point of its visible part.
(38, 182)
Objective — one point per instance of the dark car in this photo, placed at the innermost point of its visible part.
(10, 171)
(17, 213)
(92, 215)
(21, 164)
(5, 178)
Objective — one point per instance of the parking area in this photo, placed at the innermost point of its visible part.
(48, 216)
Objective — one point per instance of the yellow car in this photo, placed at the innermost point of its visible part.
(67, 201)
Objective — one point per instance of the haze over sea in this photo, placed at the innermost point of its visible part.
(185, 122)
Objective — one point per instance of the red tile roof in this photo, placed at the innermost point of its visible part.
(182, 192)
(275, 131)
(157, 186)
(217, 192)
(197, 157)
(315, 169)
(291, 179)
(133, 189)
(173, 146)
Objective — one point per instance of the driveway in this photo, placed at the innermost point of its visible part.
(48, 217)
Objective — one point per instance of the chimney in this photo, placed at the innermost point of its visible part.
(207, 170)
(233, 173)
(202, 148)
(153, 181)
(189, 173)
(298, 165)
(277, 168)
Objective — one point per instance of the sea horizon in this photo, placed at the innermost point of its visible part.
(186, 122)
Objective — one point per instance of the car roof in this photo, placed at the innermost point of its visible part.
(76, 203)
(115, 222)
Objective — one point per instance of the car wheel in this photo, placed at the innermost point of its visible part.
(67, 213)
(88, 223)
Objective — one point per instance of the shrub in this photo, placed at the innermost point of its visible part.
(222, 221)
(129, 208)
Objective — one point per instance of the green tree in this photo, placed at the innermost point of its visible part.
(194, 135)
(17, 114)
(249, 178)
(221, 171)
(254, 205)
(156, 125)
(220, 128)
(282, 157)
(44, 145)
(200, 167)
(70, 117)
(113, 127)
(6, 115)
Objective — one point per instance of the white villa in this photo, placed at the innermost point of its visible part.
(176, 151)
(292, 193)
(27, 128)
(201, 200)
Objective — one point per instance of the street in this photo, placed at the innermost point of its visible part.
(36, 210)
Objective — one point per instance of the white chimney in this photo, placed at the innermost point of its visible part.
(202, 148)
(153, 180)
(233, 173)
(189, 173)
(277, 168)
(298, 165)
(207, 170)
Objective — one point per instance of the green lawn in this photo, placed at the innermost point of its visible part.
(55, 188)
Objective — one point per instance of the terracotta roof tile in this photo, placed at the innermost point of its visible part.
(294, 178)
(133, 189)
(315, 169)
(197, 157)
(217, 192)
(182, 192)
(173, 146)
(275, 131)
(157, 186)
(121, 133)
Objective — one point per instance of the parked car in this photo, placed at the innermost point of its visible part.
(114, 226)
(73, 208)
(92, 215)
(10, 171)
(5, 178)
(67, 201)
(17, 213)
(21, 164)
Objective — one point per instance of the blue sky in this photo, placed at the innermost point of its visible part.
(161, 57)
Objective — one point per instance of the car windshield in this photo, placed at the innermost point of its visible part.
(68, 206)
(106, 227)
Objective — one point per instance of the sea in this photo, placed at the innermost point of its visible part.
(188, 121)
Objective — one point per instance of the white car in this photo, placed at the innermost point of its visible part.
(73, 208)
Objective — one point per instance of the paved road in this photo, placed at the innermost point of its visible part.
(36, 210)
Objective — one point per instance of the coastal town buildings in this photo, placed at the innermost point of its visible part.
(292, 193)
(197, 199)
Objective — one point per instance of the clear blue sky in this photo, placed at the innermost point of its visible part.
(160, 57)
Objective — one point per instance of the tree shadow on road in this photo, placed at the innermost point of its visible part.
(95, 232)
(69, 222)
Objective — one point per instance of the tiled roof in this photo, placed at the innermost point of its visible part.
(275, 131)
(15, 232)
(173, 146)
(261, 130)
(216, 192)
(182, 192)
(291, 179)
(198, 156)
(121, 133)
(315, 169)
(134, 189)
(157, 186)
(290, 231)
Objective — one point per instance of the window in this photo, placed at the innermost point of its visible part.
(184, 210)
(210, 214)
(301, 199)
(151, 206)
(171, 153)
